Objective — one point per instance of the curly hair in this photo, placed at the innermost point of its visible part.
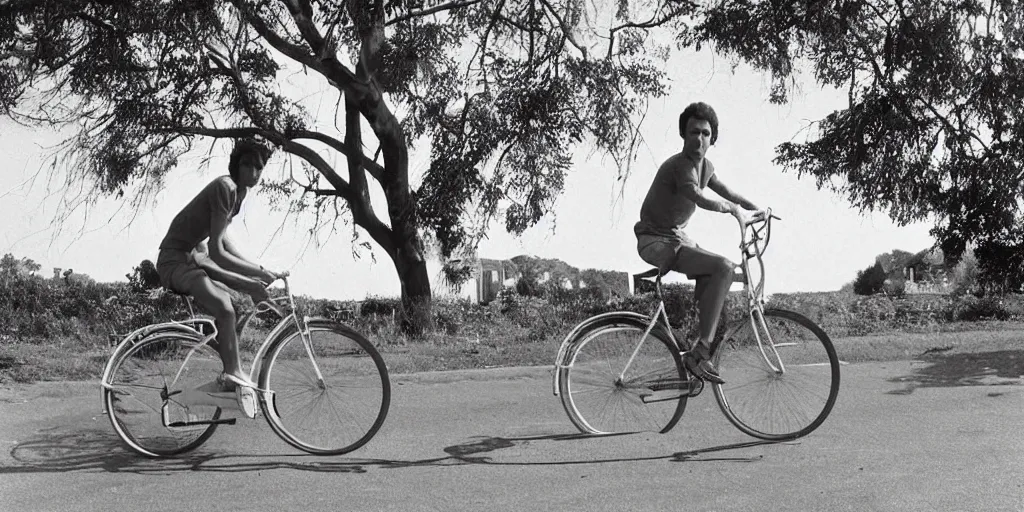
(247, 146)
(699, 110)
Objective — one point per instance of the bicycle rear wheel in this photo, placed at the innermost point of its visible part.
(778, 394)
(602, 395)
(142, 394)
(333, 415)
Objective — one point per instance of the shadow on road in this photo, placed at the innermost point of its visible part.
(57, 451)
(978, 369)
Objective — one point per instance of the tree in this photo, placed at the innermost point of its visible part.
(870, 280)
(11, 267)
(934, 126)
(503, 91)
(143, 277)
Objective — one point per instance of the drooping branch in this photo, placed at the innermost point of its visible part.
(230, 68)
(432, 10)
(300, 150)
(654, 22)
(372, 167)
(565, 28)
(289, 49)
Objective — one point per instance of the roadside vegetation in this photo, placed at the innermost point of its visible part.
(63, 327)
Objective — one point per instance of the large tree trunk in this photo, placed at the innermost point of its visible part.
(416, 297)
(402, 241)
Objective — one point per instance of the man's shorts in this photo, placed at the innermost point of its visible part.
(663, 251)
(178, 270)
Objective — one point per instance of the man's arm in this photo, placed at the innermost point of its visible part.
(721, 189)
(225, 258)
(692, 192)
(261, 273)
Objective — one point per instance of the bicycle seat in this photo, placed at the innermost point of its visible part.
(654, 272)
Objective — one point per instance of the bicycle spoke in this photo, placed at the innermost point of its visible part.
(340, 413)
(772, 405)
(603, 395)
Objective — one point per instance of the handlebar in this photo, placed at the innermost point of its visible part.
(272, 304)
(764, 218)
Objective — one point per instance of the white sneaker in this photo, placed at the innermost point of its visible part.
(246, 397)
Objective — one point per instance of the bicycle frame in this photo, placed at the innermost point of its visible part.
(751, 247)
(191, 327)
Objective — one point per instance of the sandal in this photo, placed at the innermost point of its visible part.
(698, 362)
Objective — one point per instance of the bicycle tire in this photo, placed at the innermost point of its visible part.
(590, 385)
(353, 371)
(138, 378)
(774, 406)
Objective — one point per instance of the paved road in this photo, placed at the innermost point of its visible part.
(903, 436)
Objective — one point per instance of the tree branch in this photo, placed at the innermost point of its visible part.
(433, 10)
(288, 49)
(565, 29)
(360, 205)
(483, 42)
(290, 146)
(372, 167)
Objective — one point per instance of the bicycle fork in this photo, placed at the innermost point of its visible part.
(307, 342)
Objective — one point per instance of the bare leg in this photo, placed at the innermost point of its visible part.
(217, 302)
(714, 278)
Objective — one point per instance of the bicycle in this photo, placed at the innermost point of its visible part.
(622, 371)
(322, 387)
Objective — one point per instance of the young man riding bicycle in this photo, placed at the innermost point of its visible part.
(672, 199)
(189, 266)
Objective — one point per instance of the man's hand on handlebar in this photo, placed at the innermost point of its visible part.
(742, 216)
(269, 277)
(258, 291)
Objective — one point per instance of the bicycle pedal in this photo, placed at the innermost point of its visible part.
(662, 396)
(192, 422)
(672, 389)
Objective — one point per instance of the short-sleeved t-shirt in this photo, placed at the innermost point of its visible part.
(666, 210)
(192, 224)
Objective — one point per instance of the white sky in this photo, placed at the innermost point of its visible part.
(819, 245)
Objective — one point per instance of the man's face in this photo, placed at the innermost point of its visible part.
(250, 167)
(696, 138)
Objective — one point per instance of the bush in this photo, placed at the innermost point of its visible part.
(969, 308)
(380, 306)
(870, 280)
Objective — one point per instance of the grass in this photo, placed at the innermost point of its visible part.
(503, 344)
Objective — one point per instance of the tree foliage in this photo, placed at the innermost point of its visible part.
(11, 266)
(143, 277)
(502, 92)
(934, 126)
(870, 280)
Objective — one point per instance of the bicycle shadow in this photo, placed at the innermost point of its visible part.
(1003, 367)
(55, 451)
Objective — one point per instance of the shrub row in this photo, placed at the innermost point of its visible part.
(33, 307)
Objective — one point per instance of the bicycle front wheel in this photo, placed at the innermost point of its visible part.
(143, 394)
(330, 398)
(616, 380)
(781, 382)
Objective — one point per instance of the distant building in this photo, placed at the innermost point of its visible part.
(926, 272)
(490, 278)
(921, 272)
